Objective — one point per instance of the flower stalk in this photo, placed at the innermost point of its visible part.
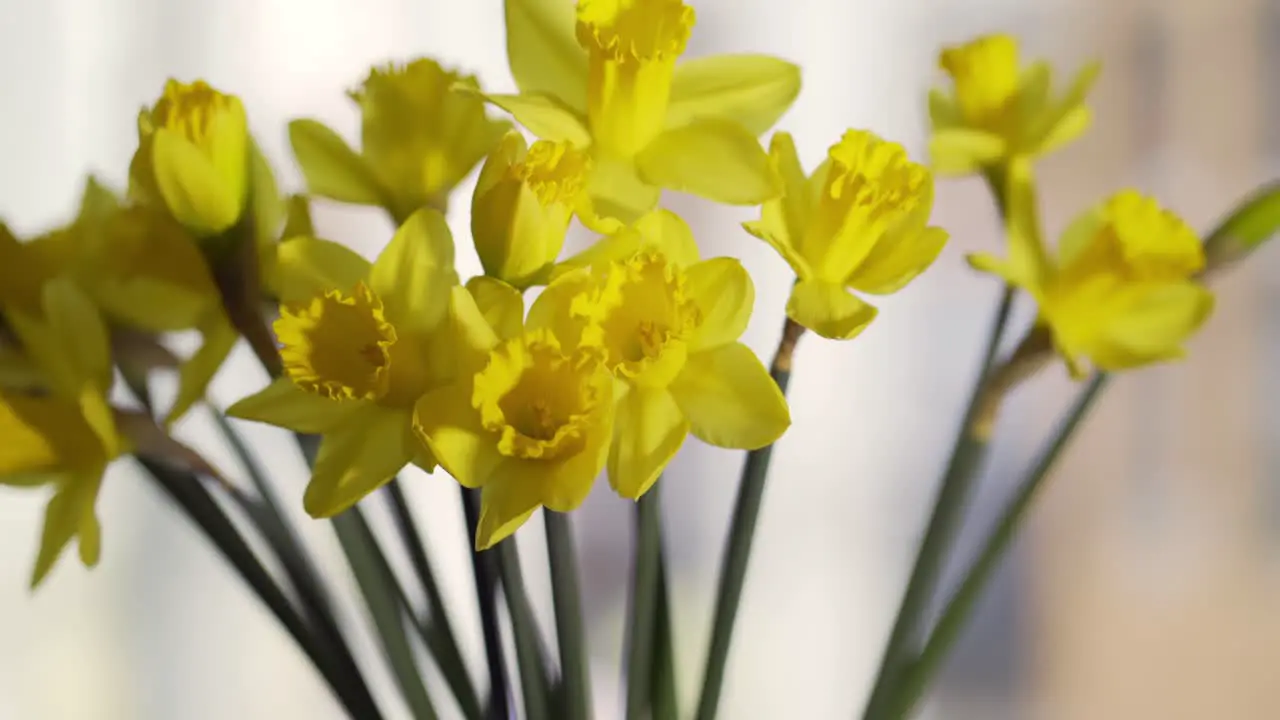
(572, 638)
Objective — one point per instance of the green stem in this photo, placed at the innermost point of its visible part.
(565, 590)
(484, 572)
(386, 605)
(967, 456)
(644, 597)
(663, 695)
(203, 510)
(269, 518)
(746, 511)
(533, 671)
(958, 609)
(443, 643)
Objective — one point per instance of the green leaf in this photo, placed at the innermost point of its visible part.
(1252, 223)
(332, 169)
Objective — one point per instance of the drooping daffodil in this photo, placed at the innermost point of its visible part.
(1122, 290)
(528, 419)
(859, 222)
(606, 76)
(419, 139)
(1000, 111)
(669, 325)
(360, 343)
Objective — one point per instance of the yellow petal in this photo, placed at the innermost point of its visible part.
(1022, 222)
(331, 168)
(358, 458)
(265, 202)
(307, 267)
(1069, 127)
(473, 336)
(1071, 101)
(21, 274)
(829, 310)
(943, 112)
(550, 311)
(569, 483)
(507, 503)
(70, 513)
(446, 421)
(618, 194)
(192, 187)
(29, 446)
(545, 116)
(988, 263)
(1154, 326)
(715, 159)
(751, 90)
(227, 146)
(69, 343)
(1079, 235)
(961, 151)
(414, 274)
(789, 214)
(501, 305)
(724, 294)
(284, 404)
(543, 53)
(894, 262)
(730, 400)
(196, 373)
(775, 234)
(648, 431)
(660, 230)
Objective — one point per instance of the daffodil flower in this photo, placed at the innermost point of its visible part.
(1122, 290)
(360, 344)
(669, 325)
(193, 155)
(999, 111)
(524, 201)
(859, 222)
(419, 139)
(607, 77)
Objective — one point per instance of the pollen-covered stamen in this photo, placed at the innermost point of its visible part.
(189, 109)
(985, 73)
(1154, 243)
(556, 172)
(640, 313)
(628, 30)
(338, 345)
(536, 397)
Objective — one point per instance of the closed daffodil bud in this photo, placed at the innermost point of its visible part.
(193, 155)
(523, 203)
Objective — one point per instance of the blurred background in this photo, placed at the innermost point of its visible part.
(1147, 585)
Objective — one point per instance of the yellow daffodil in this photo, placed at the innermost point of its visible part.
(860, 222)
(193, 154)
(528, 420)
(360, 344)
(607, 77)
(419, 140)
(1122, 291)
(523, 203)
(999, 111)
(669, 325)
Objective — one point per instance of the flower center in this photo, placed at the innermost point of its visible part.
(641, 315)
(985, 73)
(555, 171)
(190, 109)
(870, 187)
(1154, 243)
(632, 46)
(338, 345)
(536, 397)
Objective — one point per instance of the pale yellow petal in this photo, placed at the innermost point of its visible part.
(618, 194)
(358, 458)
(193, 189)
(715, 159)
(1154, 326)
(730, 400)
(829, 309)
(507, 502)
(751, 90)
(725, 297)
(648, 431)
(501, 305)
(331, 168)
(543, 52)
(284, 404)
(308, 267)
(414, 274)
(962, 151)
(550, 311)
(545, 116)
(894, 262)
(446, 421)
(70, 513)
(472, 335)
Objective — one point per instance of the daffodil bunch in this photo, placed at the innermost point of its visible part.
(523, 385)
